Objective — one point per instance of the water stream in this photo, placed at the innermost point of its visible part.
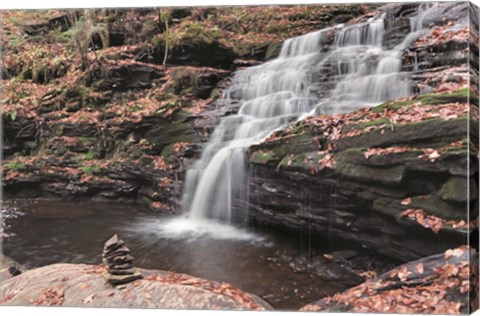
(362, 73)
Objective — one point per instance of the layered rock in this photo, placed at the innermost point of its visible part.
(392, 178)
(438, 284)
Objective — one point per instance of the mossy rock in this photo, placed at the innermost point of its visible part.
(294, 145)
(292, 161)
(431, 204)
(456, 189)
(273, 50)
(357, 156)
(378, 122)
(461, 96)
(297, 152)
(195, 33)
(389, 207)
(432, 133)
(264, 157)
(308, 162)
(16, 166)
(179, 129)
(434, 205)
(194, 45)
(392, 175)
(256, 51)
(90, 169)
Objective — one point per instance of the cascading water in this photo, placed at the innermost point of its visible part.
(362, 73)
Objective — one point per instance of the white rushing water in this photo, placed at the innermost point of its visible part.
(362, 73)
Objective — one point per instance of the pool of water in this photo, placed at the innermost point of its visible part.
(268, 264)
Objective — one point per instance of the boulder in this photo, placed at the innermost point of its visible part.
(80, 285)
(125, 75)
(438, 284)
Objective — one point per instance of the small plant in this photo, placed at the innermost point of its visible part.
(90, 155)
(90, 169)
(15, 165)
(164, 15)
(12, 114)
(135, 108)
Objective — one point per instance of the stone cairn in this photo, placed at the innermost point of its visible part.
(119, 262)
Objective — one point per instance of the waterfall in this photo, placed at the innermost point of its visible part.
(361, 73)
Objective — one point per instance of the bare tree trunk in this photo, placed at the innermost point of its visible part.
(167, 35)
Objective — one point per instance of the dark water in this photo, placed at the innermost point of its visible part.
(38, 233)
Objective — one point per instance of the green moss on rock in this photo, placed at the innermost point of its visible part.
(178, 130)
(456, 189)
(378, 122)
(293, 161)
(392, 175)
(15, 165)
(436, 206)
(273, 50)
(263, 157)
(90, 169)
(461, 96)
(433, 133)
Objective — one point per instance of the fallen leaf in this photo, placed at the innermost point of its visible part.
(419, 267)
(83, 286)
(403, 274)
(328, 256)
(88, 299)
(453, 252)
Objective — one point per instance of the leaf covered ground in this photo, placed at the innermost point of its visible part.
(439, 284)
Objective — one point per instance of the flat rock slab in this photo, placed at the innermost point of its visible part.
(438, 284)
(79, 285)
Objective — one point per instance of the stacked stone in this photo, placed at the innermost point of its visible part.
(119, 262)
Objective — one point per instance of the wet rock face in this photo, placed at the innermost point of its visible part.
(78, 285)
(390, 189)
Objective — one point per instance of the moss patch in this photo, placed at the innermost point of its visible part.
(17, 166)
(456, 190)
(393, 175)
(435, 206)
(90, 169)
(263, 157)
(461, 96)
